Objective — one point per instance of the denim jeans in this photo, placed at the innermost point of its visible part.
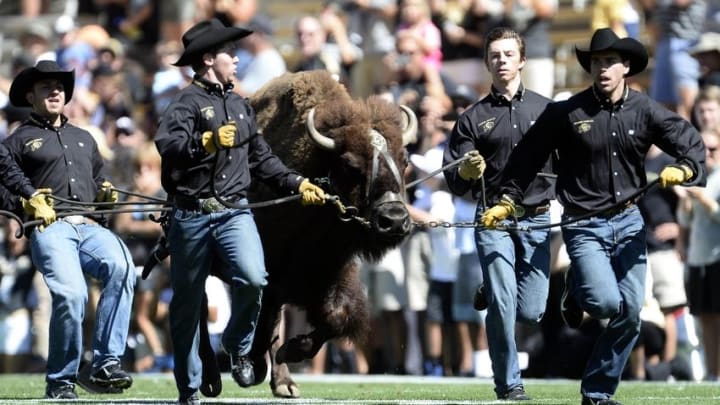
(62, 253)
(228, 241)
(515, 269)
(607, 279)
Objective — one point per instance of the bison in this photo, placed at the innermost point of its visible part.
(356, 148)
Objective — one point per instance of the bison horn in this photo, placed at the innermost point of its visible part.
(409, 134)
(320, 139)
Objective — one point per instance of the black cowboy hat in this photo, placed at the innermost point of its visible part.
(205, 36)
(45, 69)
(605, 39)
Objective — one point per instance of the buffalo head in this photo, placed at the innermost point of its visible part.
(382, 202)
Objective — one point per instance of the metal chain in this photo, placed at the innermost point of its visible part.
(446, 224)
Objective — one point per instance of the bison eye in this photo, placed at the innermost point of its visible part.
(352, 166)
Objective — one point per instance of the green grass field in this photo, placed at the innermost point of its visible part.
(160, 389)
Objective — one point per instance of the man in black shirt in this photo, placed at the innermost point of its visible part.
(56, 155)
(210, 145)
(601, 136)
(515, 265)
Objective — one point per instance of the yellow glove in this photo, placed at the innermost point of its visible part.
(675, 174)
(39, 206)
(498, 213)
(311, 194)
(472, 168)
(107, 193)
(225, 137)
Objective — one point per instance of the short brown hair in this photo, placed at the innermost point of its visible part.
(499, 33)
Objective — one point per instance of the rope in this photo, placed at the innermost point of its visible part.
(434, 172)
(36, 222)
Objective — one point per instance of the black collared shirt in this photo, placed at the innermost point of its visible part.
(65, 158)
(601, 148)
(494, 126)
(187, 169)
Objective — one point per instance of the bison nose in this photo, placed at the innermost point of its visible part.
(392, 218)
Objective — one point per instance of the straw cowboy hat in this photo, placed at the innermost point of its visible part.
(206, 35)
(45, 69)
(605, 39)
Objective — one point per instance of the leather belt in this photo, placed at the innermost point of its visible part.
(611, 212)
(536, 210)
(206, 205)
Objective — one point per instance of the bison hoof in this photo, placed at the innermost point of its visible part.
(286, 390)
(211, 389)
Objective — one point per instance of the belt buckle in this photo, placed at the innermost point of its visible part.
(210, 205)
(75, 219)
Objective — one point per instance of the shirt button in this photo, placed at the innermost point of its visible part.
(69, 162)
(614, 153)
(614, 134)
(514, 125)
(615, 173)
(223, 176)
(229, 157)
(72, 180)
(65, 146)
(75, 196)
(618, 193)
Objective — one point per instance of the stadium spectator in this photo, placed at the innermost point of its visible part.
(532, 20)
(266, 63)
(675, 75)
(436, 205)
(370, 26)
(699, 211)
(141, 232)
(317, 52)
(415, 22)
(707, 53)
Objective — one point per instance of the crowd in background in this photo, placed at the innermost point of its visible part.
(428, 55)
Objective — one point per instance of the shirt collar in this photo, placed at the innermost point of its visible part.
(211, 87)
(605, 102)
(45, 123)
(499, 97)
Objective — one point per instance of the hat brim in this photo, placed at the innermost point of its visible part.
(207, 43)
(628, 48)
(24, 81)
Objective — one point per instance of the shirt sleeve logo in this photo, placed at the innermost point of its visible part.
(583, 127)
(487, 125)
(208, 113)
(34, 144)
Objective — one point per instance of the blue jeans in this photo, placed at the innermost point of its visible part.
(515, 269)
(227, 241)
(607, 279)
(62, 253)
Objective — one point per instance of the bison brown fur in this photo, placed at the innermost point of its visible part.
(312, 255)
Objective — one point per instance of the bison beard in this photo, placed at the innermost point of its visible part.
(311, 255)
